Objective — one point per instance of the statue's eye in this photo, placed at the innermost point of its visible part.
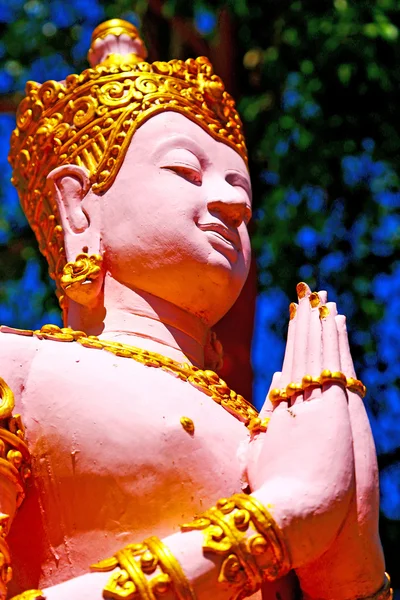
(189, 173)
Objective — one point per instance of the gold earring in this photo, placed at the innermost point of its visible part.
(81, 279)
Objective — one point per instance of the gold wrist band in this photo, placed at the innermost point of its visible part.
(243, 533)
(30, 595)
(145, 571)
(337, 377)
(384, 593)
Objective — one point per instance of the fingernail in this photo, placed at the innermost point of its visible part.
(314, 300)
(302, 289)
(332, 308)
(292, 310)
(323, 312)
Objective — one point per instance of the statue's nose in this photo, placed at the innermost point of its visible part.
(231, 209)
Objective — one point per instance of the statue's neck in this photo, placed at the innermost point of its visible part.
(139, 319)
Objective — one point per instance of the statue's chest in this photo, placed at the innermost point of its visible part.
(121, 447)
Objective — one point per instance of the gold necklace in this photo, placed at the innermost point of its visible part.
(206, 381)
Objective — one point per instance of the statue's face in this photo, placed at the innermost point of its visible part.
(174, 223)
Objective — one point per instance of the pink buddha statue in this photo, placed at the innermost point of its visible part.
(129, 469)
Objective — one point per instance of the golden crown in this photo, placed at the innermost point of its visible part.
(89, 120)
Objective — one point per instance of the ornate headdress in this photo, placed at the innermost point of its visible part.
(89, 120)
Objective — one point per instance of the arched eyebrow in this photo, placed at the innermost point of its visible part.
(243, 180)
(180, 142)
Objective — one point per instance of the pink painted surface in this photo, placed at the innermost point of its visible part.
(112, 463)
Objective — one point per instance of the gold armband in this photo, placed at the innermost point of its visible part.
(145, 571)
(14, 453)
(244, 534)
(5, 560)
(14, 466)
(384, 593)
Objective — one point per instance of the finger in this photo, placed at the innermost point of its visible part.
(346, 360)
(314, 349)
(288, 358)
(330, 343)
(268, 406)
(300, 338)
(323, 296)
(331, 356)
(353, 385)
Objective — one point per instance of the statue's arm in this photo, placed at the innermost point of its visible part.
(304, 480)
(353, 564)
(15, 356)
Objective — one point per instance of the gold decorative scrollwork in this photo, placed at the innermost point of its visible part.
(145, 571)
(5, 558)
(89, 120)
(6, 400)
(14, 466)
(240, 529)
(14, 453)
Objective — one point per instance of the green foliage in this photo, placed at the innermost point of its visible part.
(318, 86)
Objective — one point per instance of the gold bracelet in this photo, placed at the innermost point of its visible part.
(384, 593)
(336, 377)
(136, 563)
(30, 595)
(240, 530)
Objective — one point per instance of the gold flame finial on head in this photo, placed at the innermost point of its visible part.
(89, 120)
(114, 42)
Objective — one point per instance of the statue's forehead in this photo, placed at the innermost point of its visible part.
(172, 130)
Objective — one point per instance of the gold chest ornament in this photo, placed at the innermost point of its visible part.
(205, 381)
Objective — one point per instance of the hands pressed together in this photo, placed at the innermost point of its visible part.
(317, 461)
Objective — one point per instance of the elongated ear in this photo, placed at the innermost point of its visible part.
(79, 214)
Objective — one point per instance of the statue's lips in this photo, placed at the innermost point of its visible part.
(223, 232)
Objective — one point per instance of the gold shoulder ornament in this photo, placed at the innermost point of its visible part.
(14, 453)
(14, 466)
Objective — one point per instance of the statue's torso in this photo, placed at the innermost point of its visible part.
(112, 461)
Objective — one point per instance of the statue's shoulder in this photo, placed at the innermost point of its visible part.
(16, 344)
(22, 346)
(18, 349)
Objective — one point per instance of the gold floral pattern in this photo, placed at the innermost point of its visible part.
(79, 275)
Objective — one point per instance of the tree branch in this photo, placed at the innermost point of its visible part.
(9, 102)
(184, 28)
